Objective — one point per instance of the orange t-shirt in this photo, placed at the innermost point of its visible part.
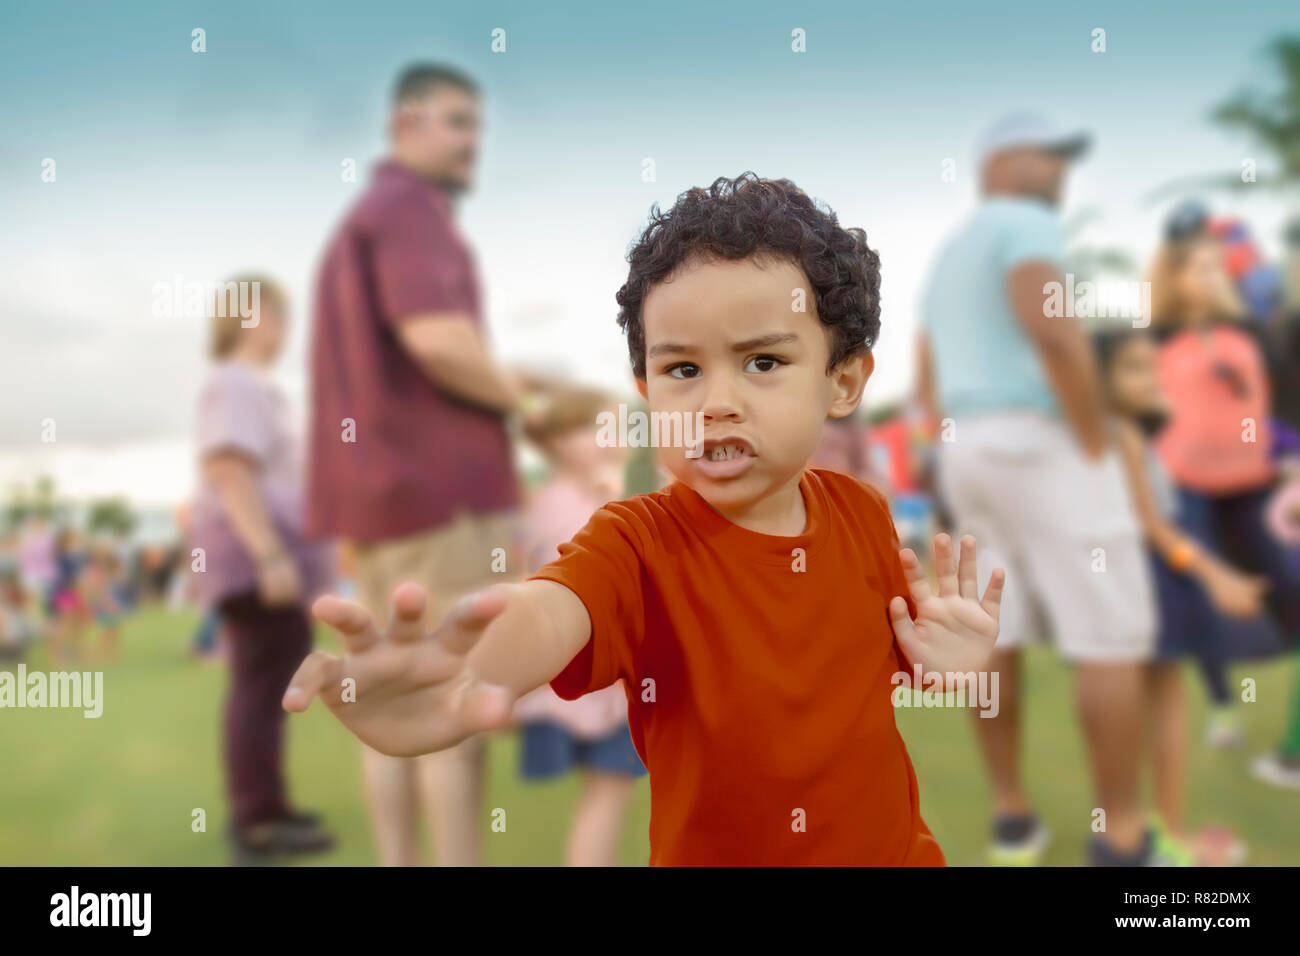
(758, 672)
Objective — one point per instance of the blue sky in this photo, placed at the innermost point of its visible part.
(174, 162)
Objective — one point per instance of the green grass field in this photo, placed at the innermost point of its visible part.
(121, 789)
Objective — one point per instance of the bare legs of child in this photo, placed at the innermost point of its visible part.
(598, 818)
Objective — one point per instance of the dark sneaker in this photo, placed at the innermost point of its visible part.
(1018, 840)
(272, 840)
(306, 818)
(1101, 853)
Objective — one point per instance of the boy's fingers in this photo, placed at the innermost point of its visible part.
(992, 603)
(314, 674)
(917, 582)
(945, 568)
(406, 617)
(967, 586)
(350, 619)
(904, 628)
(465, 621)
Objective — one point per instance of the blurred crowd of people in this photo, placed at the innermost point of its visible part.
(1137, 483)
(61, 584)
(1141, 485)
(1136, 478)
(410, 469)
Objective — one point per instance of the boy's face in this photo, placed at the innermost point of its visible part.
(723, 339)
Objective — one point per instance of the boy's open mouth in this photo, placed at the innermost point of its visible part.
(725, 457)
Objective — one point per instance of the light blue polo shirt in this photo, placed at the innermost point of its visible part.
(983, 361)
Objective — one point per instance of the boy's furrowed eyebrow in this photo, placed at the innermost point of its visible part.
(758, 342)
(765, 341)
(667, 348)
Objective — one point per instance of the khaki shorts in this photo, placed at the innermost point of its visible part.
(1062, 526)
(449, 561)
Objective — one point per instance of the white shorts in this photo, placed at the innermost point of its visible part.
(1063, 527)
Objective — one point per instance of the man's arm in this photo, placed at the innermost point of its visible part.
(925, 385)
(420, 291)
(1065, 352)
(450, 351)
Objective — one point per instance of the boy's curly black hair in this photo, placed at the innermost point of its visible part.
(747, 216)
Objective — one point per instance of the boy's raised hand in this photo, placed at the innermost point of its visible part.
(954, 630)
(414, 691)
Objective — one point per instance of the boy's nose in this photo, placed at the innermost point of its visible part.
(722, 403)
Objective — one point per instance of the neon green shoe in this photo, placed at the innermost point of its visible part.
(1168, 849)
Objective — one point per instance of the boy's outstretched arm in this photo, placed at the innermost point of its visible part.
(405, 691)
(954, 630)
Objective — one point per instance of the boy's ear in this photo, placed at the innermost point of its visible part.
(640, 387)
(848, 379)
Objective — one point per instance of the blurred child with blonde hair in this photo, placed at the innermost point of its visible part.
(590, 733)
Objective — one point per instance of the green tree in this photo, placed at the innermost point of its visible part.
(1270, 121)
(41, 499)
(110, 516)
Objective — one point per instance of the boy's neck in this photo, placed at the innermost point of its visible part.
(782, 514)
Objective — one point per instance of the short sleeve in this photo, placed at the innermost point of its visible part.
(602, 565)
(1033, 234)
(417, 260)
(232, 416)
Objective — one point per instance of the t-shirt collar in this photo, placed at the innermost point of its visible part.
(765, 547)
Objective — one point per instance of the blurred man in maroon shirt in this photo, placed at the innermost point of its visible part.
(410, 459)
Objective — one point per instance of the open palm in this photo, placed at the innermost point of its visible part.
(954, 630)
(404, 691)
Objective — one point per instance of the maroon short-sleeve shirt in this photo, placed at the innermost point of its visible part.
(390, 453)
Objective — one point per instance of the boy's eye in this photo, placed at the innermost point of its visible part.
(763, 363)
(684, 370)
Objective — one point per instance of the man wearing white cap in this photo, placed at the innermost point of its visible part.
(1024, 463)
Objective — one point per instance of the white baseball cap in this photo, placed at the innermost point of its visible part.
(1029, 129)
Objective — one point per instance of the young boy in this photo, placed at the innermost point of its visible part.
(748, 606)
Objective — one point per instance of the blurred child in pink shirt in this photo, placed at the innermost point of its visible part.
(590, 733)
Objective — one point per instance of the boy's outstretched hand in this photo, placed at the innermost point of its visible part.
(414, 692)
(954, 630)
